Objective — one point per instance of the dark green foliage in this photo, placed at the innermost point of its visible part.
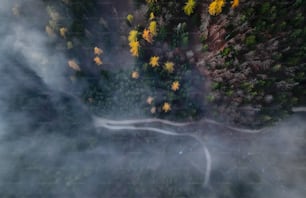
(250, 40)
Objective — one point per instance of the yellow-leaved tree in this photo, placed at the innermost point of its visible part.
(133, 35)
(189, 7)
(147, 35)
(154, 61)
(235, 3)
(153, 28)
(169, 66)
(134, 45)
(215, 7)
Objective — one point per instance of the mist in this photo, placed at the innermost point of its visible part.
(51, 145)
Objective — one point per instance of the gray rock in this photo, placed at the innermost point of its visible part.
(192, 60)
(189, 54)
(201, 63)
(268, 98)
(198, 48)
(169, 55)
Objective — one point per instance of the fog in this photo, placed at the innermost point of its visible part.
(52, 146)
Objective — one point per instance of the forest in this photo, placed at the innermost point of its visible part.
(239, 62)
(152, 98)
